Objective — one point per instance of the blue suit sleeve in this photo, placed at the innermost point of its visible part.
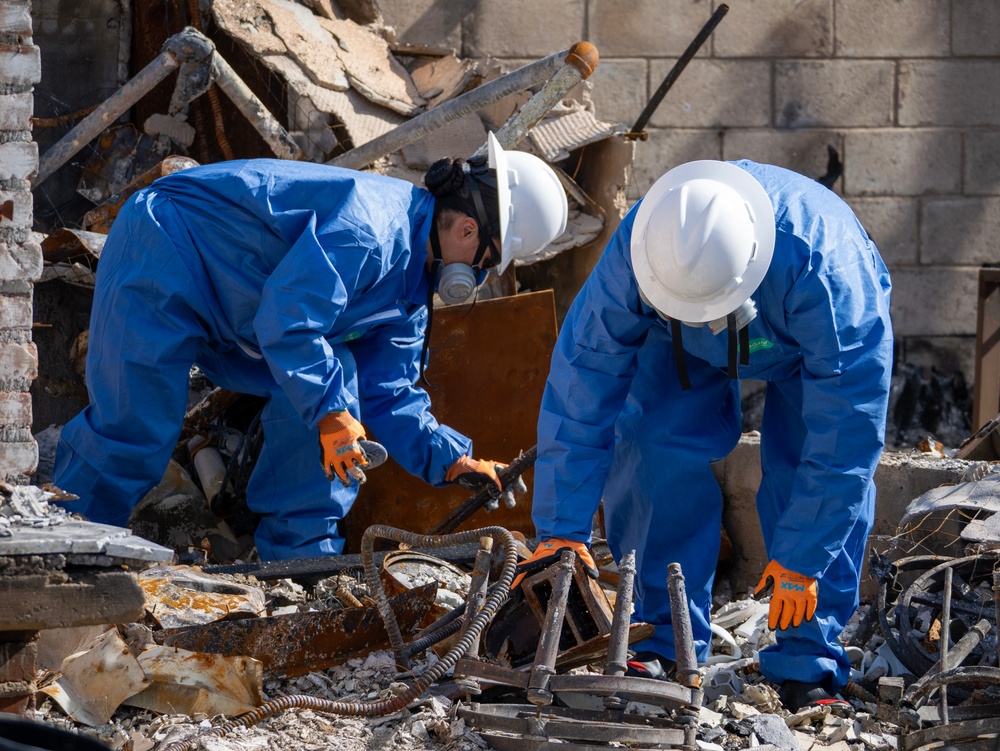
(592, 369)
(396, 410)
(838, 311)
(300, 302)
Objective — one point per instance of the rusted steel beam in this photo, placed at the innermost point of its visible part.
(290, 645)
(687, 663)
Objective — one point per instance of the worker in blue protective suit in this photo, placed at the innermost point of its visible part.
(725, 271)
(306, 284)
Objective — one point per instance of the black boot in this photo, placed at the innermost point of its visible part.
(650, 665)
(795, 695)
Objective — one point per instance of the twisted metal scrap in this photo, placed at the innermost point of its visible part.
(498, 594)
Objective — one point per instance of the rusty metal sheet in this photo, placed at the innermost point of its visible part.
(100, 219)
(73, 246)
(290, 645)
(487, 370)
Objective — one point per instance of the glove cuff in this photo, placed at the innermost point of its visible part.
(463, 465)
(336, 421)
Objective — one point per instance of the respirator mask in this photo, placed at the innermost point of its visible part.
(457, 282)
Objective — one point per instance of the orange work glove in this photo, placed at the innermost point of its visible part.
(475, 474)
(793, 598)
(549, 551)
(341, 454)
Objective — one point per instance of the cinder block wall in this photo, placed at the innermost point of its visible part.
(908, 92)
(20, 256)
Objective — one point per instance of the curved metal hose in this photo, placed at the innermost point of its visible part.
(497, 595)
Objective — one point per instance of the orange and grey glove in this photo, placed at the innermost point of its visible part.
(342, 456)
(793, 598)
(476, 474)
(549, 551)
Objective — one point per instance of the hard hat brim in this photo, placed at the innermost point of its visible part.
(751, 191)
(498, 162)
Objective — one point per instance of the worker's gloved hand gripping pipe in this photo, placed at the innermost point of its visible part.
(793, 598)
(342, 455)
(548, 552)
(476, 474)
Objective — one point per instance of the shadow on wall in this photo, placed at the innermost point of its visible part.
(923, 403)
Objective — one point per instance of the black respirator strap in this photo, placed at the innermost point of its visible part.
(436, 265)
(679, 361)
(482, 219)
(733, 334)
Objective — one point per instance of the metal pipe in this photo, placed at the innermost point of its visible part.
(548, 644)
(680, 618)
(962, 649)
(617, 661)
(110, 110)
(581, 55)
(945, 641)
(580, 63)
(275, 136)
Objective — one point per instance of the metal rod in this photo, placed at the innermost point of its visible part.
(477, 589)
(945, 641)
(680, 619)
(678, 68)
(470, 505)
(548, 644)
(617, 661)
(110, 110)
(275, 136)
(472, 101)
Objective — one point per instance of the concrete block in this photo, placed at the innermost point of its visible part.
(668, 148)
(803, 151)
(899, 478)
(18, 160)
(620, 90)
(901, 162)
(19, 656)
(647, 28)
(892, 224)
(427, 22)
(519, 28)
(15, 312)
(974, 29)
(833, 93)
(15, 17)
(776, 28)
(20, 64)
(960, 231)
(934, 301)
(18, 361)
(89, 598)
(17, 460)
(15, 208)
(16, 111)
(894, 28)
(714, 93)
(981, 175)
(20, 261)
(962, 93)
(15, 409)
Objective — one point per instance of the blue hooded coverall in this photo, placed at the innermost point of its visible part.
(302, 283)
(614, 422)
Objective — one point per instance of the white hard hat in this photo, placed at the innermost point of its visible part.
(702, 240)
(533, 208)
